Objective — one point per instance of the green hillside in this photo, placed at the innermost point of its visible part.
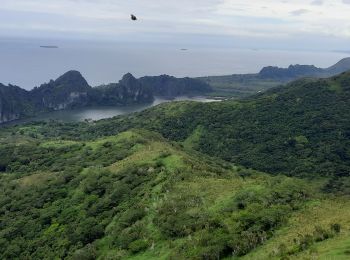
(261, 178)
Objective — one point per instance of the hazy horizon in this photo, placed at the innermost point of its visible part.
(27, 65)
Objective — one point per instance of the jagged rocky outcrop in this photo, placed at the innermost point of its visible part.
(68, 91)
(128, 90)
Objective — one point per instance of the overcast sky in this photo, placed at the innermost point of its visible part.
(319, 24)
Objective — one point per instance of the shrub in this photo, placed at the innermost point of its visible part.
(138, 245)
(86, 253)
(335, 227)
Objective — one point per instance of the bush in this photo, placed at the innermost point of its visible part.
(175, 221)
(138, 245)
(130, 217)
(86, 253)
(335, 227)
(321, 234)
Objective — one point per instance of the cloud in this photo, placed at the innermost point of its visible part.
(299, 12)
(110, 19)
(346, 2)
(317, 2)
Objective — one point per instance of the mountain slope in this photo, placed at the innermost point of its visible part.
(339, 67)
(135, 196)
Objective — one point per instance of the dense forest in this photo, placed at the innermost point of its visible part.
(266, 177)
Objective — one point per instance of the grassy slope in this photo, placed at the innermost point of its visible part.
(321, 212)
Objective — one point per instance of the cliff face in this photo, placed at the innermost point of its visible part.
(68, 91)
(128, 91)
(7, 112)
(141, 90)
(132, 89)
(13, 102)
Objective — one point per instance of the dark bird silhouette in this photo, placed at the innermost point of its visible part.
(133, 17)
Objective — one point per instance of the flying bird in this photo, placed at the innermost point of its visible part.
(133, 17)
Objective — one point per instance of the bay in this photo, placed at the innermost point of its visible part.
(97, 113)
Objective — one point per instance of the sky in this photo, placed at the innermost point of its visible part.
(283, 24)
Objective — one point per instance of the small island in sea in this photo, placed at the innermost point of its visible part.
(49, 46)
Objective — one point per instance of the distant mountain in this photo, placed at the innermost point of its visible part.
(68, 91)
(168, 86)
(298, 71)
(293, 71)
(243, 85)
(129, 90)
(71, 90)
